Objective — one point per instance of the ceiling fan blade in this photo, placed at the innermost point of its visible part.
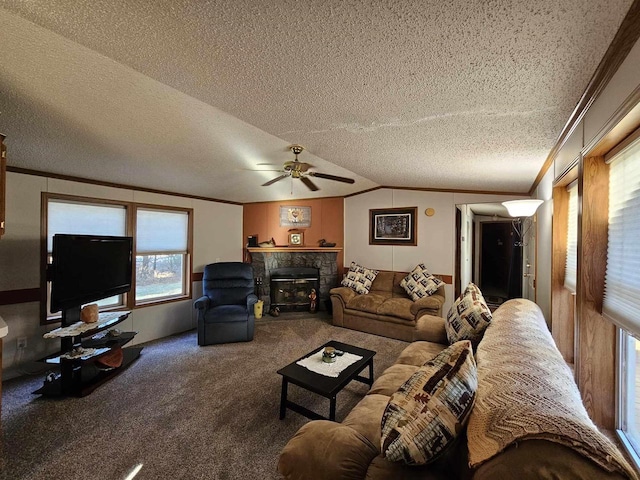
(332, 177)
(310, 185)
(284, 175)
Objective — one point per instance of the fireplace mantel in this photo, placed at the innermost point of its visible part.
(285, 249)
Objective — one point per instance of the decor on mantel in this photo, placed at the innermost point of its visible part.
(324, 244)
(393, 226)
(296, 237)
(268, 243)
(295, 216)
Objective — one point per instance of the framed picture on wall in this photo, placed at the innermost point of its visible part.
(393, 226)
(295, 216)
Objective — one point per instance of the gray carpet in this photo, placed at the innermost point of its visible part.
(181, 410)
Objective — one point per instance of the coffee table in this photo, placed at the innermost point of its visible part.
(323, 385)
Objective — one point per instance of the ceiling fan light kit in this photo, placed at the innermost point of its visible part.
(300, 170)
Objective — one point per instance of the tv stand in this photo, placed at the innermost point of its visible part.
(81, 374)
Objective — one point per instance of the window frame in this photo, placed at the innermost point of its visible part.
(131, 208)
(188, 256)
(622, 360)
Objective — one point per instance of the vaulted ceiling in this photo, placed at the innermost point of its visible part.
(194, 96)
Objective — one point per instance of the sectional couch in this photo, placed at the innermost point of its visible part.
(527, 422)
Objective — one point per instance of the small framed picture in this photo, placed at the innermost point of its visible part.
(393, 226)
(296, 238)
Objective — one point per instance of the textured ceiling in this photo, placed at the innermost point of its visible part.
(189, 96)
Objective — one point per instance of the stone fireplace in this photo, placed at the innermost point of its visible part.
(265, 260)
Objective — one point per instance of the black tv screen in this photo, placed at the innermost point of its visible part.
(87, 268)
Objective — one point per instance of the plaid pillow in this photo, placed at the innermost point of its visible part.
(359, 278)
(420, 283)
(430, 409)
(468, 317)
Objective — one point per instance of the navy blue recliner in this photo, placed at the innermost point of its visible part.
(225, 311)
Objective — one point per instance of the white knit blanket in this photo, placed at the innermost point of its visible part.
(526, 391)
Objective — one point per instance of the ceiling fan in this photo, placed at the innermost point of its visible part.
(297, 169)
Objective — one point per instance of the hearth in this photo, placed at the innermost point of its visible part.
(291, 287)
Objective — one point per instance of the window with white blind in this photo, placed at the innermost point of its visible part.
(622, 288)
(162, 244)
(571, 264)
(622, 279)
(161, 241)
(67, 216)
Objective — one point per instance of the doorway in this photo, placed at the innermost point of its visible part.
(500, 262)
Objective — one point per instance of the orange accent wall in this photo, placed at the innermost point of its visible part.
(327, 221)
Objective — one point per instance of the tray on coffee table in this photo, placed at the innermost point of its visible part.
(325, 386)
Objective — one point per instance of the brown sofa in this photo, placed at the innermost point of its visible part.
(351, 450)
(386, 310)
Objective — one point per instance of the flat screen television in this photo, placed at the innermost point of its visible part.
(87, 268)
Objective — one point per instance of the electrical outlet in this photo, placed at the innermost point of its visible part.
(22, 342)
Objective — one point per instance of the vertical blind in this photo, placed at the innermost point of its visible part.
(84, 219)
(571, 264)
(622, 279)
(161, 231)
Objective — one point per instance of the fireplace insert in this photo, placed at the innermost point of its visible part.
(291, 287)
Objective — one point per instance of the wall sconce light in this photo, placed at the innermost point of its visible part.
(522, 211)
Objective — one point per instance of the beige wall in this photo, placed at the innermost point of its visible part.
(217, 236)
(436, 234)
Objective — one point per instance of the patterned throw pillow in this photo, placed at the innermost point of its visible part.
(420, 283)
(359, 278)
(468, 317)
(430, 409)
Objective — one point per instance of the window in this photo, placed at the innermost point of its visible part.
(162, 244)
(161, 254)
(66, 216)
(622, 287)
(571, 265)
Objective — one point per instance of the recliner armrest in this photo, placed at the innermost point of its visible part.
(202, 303)
(251, 300)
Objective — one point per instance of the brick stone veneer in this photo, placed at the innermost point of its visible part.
(325, 262)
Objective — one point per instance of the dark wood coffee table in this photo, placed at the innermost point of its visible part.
(327, 387)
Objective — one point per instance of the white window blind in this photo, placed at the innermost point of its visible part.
(84, 219)
(161, 231)
(622, 279)
(571, 264)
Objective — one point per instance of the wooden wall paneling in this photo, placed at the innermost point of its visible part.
(562, 300)
(254, 221)
(3, 182)
(332, 226)
(596, 337)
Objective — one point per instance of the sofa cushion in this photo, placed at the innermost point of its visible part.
(392, 379)
(468, 317)
(430, 409)
(420, 283)
(419, 353)
(359, 278)
(366, 303)
(397, 307)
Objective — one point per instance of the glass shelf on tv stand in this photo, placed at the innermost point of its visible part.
(71, 380)
(80, 329)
